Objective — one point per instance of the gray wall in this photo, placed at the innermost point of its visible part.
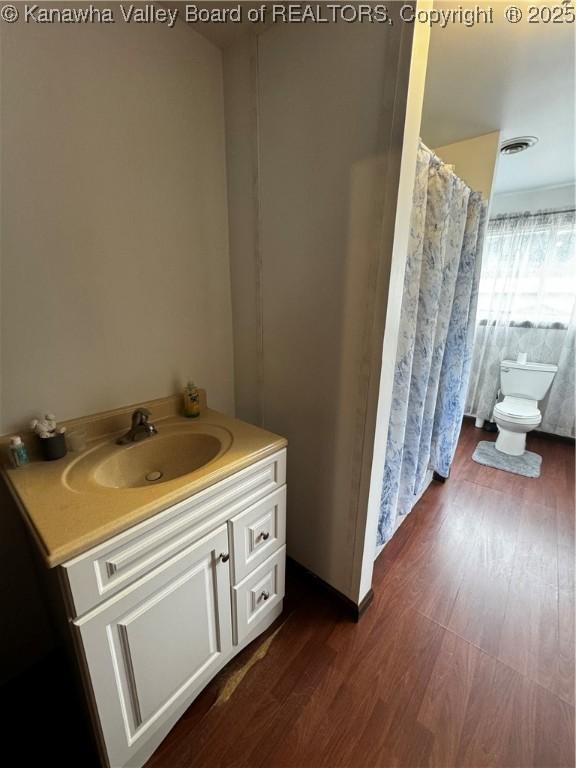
(533, 200)
(315, 172)
(242, 142)
(114, 242)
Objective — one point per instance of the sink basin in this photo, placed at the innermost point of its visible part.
(151, 461)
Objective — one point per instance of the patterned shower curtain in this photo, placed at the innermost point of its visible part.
(436, 334)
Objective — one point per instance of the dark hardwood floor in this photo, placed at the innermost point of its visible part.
(465, 658)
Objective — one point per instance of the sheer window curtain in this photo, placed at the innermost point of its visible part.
(527, 298)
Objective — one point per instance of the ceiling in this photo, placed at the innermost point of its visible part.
(224, 33)
(516, 78)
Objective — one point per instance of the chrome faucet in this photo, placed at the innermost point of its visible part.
(140, 428)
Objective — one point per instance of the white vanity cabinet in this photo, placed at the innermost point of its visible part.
(157, 610)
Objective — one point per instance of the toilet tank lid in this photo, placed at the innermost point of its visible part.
(544, 367)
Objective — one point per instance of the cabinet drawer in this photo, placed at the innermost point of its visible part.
(258, 594)
(110, 567)
(257, 532)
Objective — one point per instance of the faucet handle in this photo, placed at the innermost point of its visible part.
(140, 426)
(140, 416)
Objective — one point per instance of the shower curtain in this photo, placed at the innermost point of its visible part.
(436, 333)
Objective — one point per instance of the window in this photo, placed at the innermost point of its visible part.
(528, 270)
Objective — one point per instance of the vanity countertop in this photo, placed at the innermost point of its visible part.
(68, 518)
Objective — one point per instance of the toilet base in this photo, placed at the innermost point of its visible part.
(512, 443)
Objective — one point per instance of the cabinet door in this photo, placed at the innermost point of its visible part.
(152, 647)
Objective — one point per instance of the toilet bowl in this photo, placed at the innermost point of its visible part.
(515, 417)
(523, 386)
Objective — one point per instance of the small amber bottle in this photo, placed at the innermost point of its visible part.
(191, 401)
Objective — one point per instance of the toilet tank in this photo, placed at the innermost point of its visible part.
(529, 380)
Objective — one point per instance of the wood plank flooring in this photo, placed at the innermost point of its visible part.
(465, 658)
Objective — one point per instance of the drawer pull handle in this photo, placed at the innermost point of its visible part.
(265, 536)
(265, 595)
(224, 557)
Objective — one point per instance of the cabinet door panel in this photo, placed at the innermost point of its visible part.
(157, 644)
(146, 634)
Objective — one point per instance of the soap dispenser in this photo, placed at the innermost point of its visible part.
(191, 400)
(18, 453)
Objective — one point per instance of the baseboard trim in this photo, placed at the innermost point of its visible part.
(537, 433)
(353, 610)
(552, 436)
(364, 604)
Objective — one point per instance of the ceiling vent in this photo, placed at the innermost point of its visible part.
(519, 144)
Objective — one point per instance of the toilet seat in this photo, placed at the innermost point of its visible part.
(518, 410)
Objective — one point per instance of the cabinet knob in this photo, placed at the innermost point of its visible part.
(264, 595)
(265, 536)
(224, 557)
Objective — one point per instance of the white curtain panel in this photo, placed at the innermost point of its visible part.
(436, 331)
(526, 304)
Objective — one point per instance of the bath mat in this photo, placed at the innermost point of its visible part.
(528, 464)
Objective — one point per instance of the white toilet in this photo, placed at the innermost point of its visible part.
(523, 385)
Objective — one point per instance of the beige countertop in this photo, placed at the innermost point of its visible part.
(68, 518)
